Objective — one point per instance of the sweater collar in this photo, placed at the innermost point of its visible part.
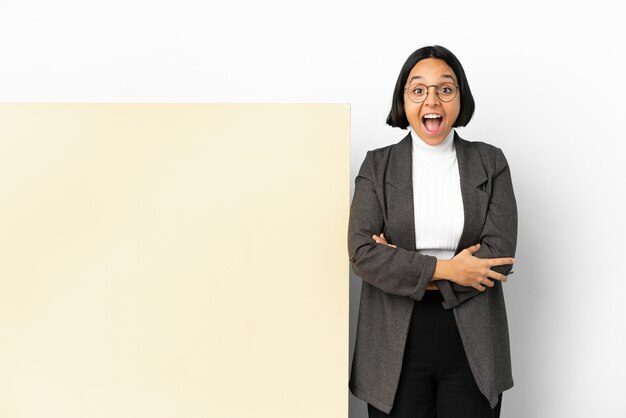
(432, 153)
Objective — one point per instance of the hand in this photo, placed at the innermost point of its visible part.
(382, 240)
(476, 272)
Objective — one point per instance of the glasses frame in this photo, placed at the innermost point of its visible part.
(456, 91)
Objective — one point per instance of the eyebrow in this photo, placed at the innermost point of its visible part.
(442, 76)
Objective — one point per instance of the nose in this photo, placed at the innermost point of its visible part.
(432, 99)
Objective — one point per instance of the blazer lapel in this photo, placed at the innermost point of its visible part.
(473, 190)
(399, 193)
(399, 190)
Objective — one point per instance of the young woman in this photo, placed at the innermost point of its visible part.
(432, 233)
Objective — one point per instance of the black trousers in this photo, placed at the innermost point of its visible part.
(436, 379)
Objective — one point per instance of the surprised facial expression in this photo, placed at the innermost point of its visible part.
(433, 118)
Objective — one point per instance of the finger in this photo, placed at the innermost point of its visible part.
(495, 275)
(391, 245)
(500, 261)
(380, 240)
(479, 287)
(473, 248)
(487, 282)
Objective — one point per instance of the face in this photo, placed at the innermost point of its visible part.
(442, 115)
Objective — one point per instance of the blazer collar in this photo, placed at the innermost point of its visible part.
(472, 175)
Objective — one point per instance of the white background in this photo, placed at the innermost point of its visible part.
(548, 82)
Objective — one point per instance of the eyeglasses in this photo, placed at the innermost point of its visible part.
(417, 93)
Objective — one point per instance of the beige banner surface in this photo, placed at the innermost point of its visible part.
(174, 260)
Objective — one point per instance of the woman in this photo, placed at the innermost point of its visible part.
(432, 233)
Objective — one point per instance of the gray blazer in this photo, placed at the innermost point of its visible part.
(393, 279)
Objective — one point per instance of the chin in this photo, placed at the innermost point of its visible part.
(431, 140)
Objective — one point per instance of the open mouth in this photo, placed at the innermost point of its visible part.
(432, 122)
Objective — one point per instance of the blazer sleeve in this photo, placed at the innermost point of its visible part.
(394, 270)
(499, 234)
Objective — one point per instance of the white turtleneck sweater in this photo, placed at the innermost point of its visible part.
(437, 199)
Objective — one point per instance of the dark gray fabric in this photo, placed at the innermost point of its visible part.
(394, 278)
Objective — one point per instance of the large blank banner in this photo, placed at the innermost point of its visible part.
(174, 260)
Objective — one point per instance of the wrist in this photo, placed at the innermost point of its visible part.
(443, 270)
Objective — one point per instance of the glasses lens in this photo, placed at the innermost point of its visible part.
(417, 92)
(446, 92)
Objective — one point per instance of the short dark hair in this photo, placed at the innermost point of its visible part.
(397, 117)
